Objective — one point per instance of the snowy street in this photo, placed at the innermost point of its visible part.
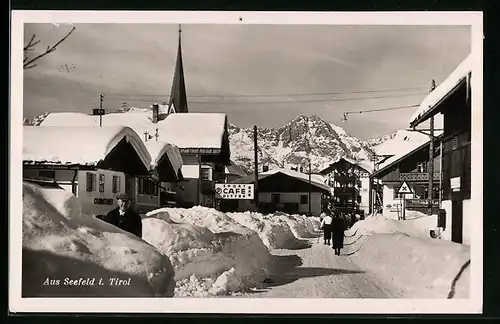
(316, 271)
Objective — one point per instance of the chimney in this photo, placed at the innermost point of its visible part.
(156, 109)
(265, 168)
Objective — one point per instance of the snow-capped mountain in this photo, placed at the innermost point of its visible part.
(292, 144)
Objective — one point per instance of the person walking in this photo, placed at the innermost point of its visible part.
(337, 228)
(124, 216)
(326, 224)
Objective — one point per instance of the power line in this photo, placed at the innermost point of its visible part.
(232, 102)
(382, 109)
(272, 95)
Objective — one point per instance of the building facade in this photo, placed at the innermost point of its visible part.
(452, 99)
(351, 185)
(94, 164)
(287, 191)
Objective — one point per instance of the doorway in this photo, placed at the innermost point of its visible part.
(456, 218)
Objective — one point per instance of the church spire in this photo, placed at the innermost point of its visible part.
(178, 98)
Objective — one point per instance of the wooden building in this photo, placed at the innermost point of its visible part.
(203, 142)
(452, 99)
(411, 167)
(350, 182)
(286, 191)
(156, 189)
(94, 163)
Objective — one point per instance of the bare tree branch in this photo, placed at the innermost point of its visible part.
(27, 64)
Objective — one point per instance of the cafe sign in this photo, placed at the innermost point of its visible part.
(234, 191)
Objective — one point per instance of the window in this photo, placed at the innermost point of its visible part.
(116, 184)
(304, 199)
(205, 174)
(422, 167)
(275, 198)
(91, 181)
(148, 187)
(101, 182)
(50, 174)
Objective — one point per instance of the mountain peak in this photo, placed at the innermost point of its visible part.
(290, 145)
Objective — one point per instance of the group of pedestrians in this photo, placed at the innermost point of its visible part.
(333, 227)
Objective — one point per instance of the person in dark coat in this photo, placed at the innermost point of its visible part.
(124, 216)
(338, 227)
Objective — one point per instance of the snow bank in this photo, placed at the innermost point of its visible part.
(402, 254)
(60, 245)
(301, 226)
(416, 224)
(419, 268)
(274, 233)
(211, 253)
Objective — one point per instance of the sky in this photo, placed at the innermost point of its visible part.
(261, 75)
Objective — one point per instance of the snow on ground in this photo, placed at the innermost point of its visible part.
(301, 226)
(416, 224)
(60, 245)
(274, 233)
(211, 253)
(402, 254)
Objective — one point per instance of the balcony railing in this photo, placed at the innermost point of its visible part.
(418, 176)
(345, 190)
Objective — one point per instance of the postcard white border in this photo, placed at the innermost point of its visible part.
(237, 305)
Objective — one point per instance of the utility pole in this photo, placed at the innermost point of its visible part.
(101, 98)
(256, 169)
(309, 199)
(431, 158)
(198, 156)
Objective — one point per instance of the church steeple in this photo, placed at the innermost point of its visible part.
(178, 98)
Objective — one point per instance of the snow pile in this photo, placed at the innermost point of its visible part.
(416, 225)
(402, 254)
(68, 255)
(419, 268)
(274, 233)
(211, 253)
(301, 226)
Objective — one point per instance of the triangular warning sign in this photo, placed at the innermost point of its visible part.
(404, 189)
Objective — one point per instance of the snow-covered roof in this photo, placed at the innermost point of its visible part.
(193, 130)
(409, 149)
(77, 145)
(433, 99)
(366, 165)
(184, 130)
(158, 149)
(298, 175)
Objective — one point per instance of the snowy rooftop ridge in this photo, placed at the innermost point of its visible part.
(429, 102)
(299, 175)
(158, 149)
(84, 145)
(191, 130)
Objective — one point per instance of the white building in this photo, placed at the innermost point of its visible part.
(95, 164)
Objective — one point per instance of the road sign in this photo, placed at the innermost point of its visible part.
(234, 191)
(98, 112)
(404, 189)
